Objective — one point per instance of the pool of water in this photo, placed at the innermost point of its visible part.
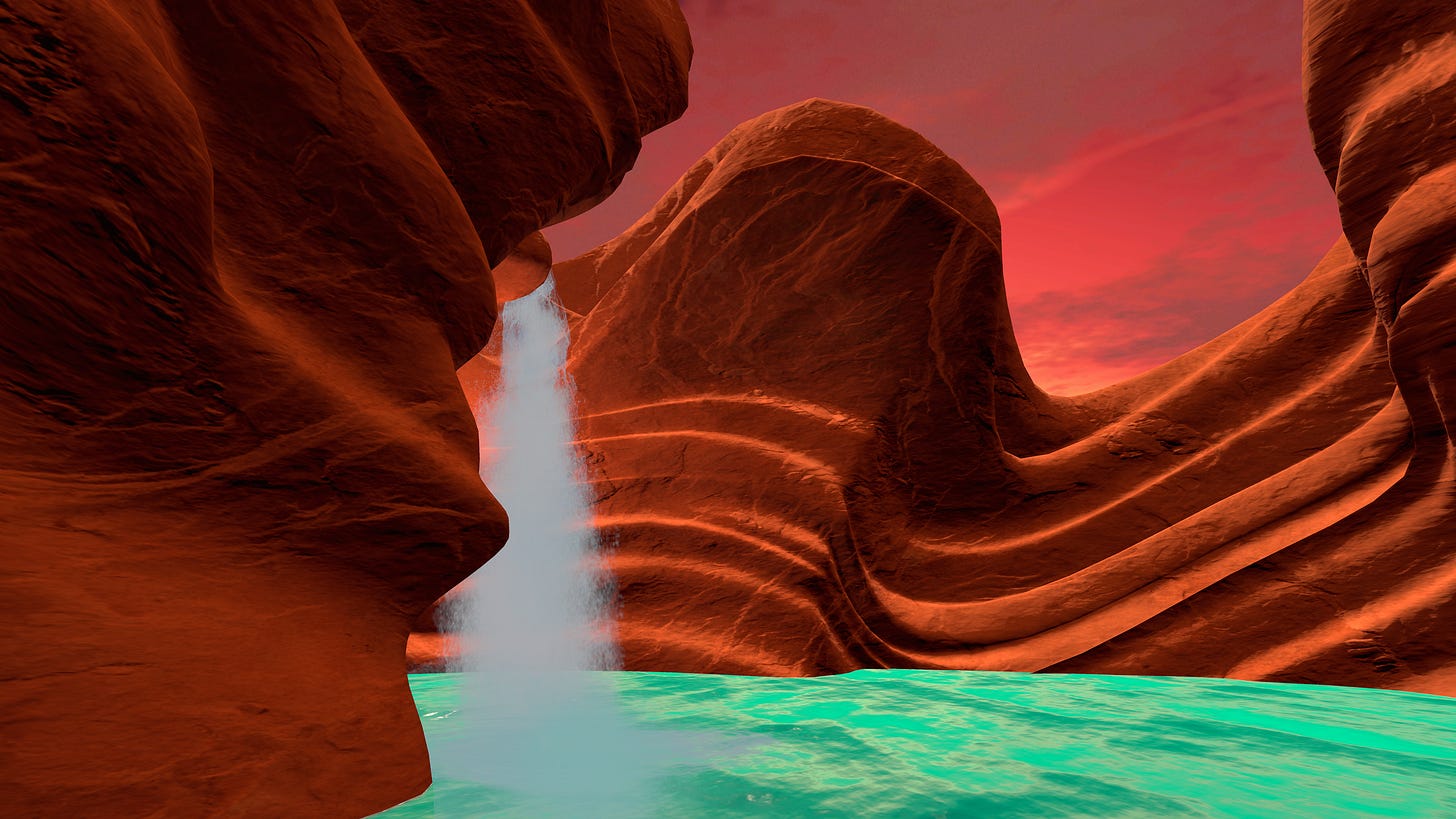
(902, 743)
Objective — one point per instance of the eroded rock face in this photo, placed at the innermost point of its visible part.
(828, 454)
(246, 247)
(815, 447)
(523, 270)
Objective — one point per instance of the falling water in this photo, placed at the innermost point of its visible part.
(540, 722)
(538, 605)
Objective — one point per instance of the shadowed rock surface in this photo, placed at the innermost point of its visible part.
(246, 246)
(816, 448)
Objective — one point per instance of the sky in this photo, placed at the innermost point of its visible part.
(1149, 158)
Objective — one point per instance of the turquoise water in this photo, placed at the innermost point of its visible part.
(978, 744)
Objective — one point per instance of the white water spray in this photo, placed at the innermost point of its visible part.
(539, 605)
(536, 723)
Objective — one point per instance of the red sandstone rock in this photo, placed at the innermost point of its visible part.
(523, 270)
(816, 448)
(245, 248)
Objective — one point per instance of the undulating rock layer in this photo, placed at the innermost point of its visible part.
(245, 247)
(815, 447)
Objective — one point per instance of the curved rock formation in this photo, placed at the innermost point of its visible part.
(523, 270)
(246, 248)
(816, 447)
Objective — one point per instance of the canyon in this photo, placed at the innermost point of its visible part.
(815, 447)
(249, 270)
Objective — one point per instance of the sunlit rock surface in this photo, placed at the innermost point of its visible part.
(245, 247)
(815, 447)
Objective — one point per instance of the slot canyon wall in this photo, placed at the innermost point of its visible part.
(246, 245)
(814, 446)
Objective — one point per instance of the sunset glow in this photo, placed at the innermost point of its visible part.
(1150, 160)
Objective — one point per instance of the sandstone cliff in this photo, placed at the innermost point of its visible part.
(815, 447)
(245, 247)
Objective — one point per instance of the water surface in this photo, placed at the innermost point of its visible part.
(901, 743)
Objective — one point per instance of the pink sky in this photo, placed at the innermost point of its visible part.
(1149, 158)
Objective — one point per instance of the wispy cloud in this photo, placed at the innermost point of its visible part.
(1073, 170)
(1127, 144)
(1078, 340)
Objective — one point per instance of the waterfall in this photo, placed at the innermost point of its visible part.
(540, 724)
(539, 605)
